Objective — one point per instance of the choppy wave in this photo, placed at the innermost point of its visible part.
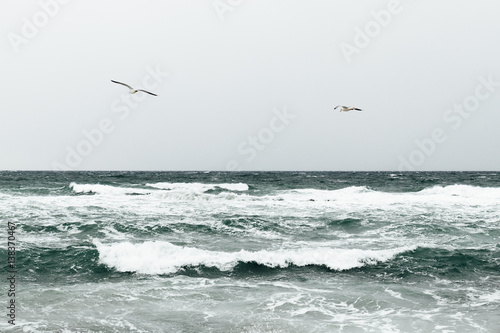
(174, 187)
(165, 258)
(106, 189)
(464, 191)
(199, 187)
(284, 249)
(454, 192)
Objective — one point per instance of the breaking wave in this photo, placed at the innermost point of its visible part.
(353, 196)
(175, 187)
(160, 257)
(199, 187)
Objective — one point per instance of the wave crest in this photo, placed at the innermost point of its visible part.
(186, 188)
(106, 189)
(199, 187)
(165, 258)
(460, 190)
(352, 196)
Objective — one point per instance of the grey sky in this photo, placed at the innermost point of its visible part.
(251, 85)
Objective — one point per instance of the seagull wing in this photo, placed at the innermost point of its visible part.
(335, 108)
(123, 84)
(357, 109)
(147, 92)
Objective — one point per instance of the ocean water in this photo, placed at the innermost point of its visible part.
(252, 252)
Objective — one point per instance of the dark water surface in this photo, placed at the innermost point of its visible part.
(253, 252)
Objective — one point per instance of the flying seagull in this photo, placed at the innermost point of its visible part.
(346, 108)
(132, 90)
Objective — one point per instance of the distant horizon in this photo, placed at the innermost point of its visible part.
(246, 171)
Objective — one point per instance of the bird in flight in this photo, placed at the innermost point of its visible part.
(346, 108)
(132, 90)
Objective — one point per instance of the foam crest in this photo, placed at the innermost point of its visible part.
(361, 195)
(165, 258)
(321, 195)
(199, 187)
(467, 191)
(106, 189)
(186, 188)
(353, 196)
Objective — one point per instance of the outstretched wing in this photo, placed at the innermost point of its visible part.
(147, 92)
(123, 84)
(357, 109)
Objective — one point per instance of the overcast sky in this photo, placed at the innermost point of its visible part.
(250, 85)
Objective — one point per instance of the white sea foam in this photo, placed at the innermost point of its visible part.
(463, 191)
(362, 192)
(491, 298)
(393, 293)
(355, 195)
(321, 195)
(164, 258)
(480, 297)
(452, 203)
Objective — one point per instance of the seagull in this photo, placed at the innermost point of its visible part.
(132, 90)
(346, 108)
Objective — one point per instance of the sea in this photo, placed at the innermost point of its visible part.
(250, 251)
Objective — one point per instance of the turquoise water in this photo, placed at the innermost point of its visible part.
(253, 252)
